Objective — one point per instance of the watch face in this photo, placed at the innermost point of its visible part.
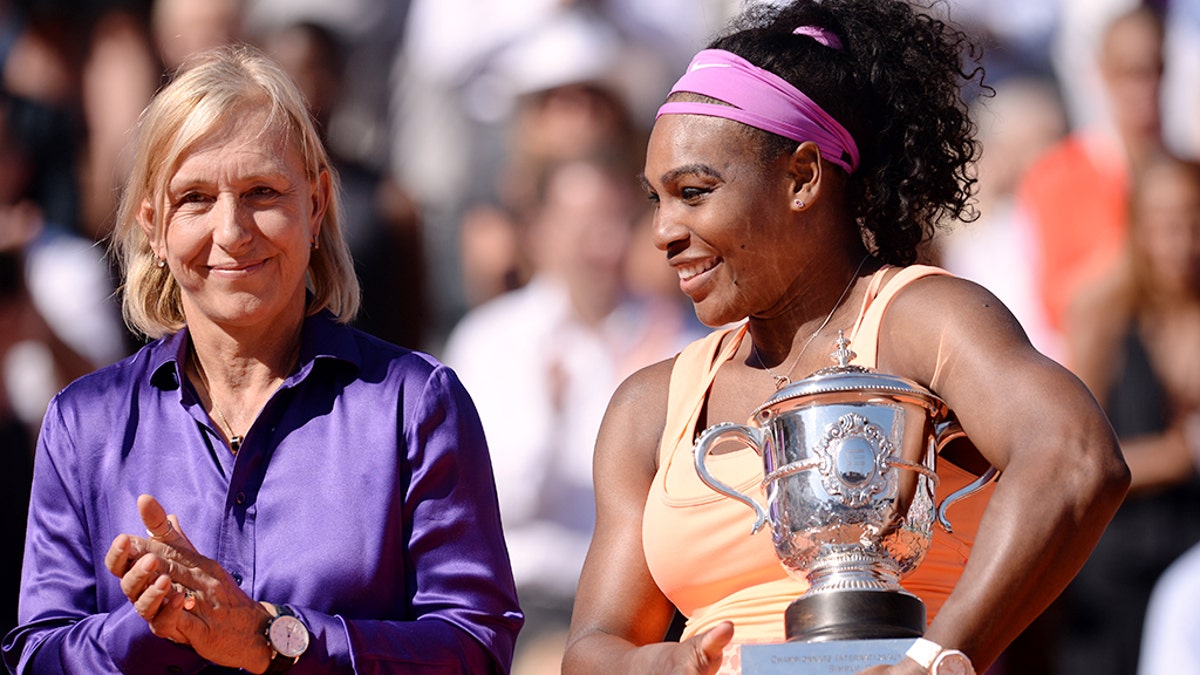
(288, 636)
(953, 663)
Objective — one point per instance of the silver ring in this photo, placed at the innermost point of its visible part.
(164, 535)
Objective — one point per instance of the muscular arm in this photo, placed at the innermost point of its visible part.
(618, 607)
(1063, 475)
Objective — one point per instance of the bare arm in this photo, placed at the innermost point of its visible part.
(1063, 475)
(620, 614)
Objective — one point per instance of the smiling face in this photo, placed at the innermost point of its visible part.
(238, 219)
(722, 215)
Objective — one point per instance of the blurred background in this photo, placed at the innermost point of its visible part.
(489, 151)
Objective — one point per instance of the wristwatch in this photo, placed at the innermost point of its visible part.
(287, 636)
(937, 660)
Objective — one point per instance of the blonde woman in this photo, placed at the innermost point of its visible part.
(331, 495)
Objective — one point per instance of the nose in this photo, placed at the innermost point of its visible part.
(232, 227)
(667, 233)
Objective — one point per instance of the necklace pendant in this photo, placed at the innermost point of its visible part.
(781, 380)
(235, 444)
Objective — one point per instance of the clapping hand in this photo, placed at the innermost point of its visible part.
(186, 597)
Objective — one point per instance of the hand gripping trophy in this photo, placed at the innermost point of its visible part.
(849, 457)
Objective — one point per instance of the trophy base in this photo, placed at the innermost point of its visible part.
(854, 615)
(821, 658)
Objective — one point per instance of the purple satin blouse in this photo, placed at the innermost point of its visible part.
(362, 497)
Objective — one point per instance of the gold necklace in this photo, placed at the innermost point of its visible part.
(783, 380)
(235, 440)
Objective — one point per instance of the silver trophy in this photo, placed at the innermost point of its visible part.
(849, 459)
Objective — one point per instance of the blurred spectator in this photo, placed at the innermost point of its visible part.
(541, 363)
(1076, 193)
(558, 123)
(182, 28)
(65, 292)
(120, 72)
(475, 76)
(1134, 339)
(1022, 119)
(1081, 28)
(40, 68)
(369, 33)
(53, 290)
(380, 223)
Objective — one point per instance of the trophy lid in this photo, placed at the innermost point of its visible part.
(846, 378)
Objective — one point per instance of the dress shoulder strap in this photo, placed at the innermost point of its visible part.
(884, 286)
(691, 376)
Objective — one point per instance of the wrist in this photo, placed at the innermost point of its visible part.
(935, 659)
(286, 638)
(261, 652)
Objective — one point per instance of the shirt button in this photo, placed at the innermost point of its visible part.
(237, 578)
(174, 669)
(240, 498)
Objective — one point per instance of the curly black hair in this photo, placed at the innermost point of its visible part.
(897, 86)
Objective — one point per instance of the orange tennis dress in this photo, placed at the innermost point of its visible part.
(697, 542)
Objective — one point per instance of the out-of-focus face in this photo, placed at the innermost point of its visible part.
(569, 121)
(186, 27)
(721, 217)
(239, 218)
(583, 231)
(1132, 66)
(1167, 227)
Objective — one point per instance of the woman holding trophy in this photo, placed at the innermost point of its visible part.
(796, 169)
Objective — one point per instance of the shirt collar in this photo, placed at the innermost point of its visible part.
(321, 339)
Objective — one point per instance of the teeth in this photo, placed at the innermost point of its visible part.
(690, 271)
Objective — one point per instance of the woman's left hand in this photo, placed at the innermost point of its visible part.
(186, 597)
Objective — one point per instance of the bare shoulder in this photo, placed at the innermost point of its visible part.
(647, 386)
(635, 418)
(940, 318)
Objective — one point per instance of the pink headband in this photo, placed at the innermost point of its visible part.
(763, 100)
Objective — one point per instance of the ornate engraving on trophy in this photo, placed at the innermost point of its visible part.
(854, 458)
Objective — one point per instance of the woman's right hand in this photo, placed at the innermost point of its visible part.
(186, 597)
(703, 652)
(698, 655)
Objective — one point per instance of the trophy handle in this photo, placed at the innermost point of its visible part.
(948, 431)
(714, 435)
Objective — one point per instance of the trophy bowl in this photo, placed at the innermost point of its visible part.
(849, 459)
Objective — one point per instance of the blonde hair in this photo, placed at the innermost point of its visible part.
(209, 92)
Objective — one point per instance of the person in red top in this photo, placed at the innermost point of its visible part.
(1076, 194)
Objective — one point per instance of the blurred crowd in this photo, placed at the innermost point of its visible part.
(489, 151)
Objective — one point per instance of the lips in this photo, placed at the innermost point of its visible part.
(236, 268)
(695, 275)
(692, 270)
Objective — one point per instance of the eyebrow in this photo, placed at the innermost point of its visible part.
(685, 170)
